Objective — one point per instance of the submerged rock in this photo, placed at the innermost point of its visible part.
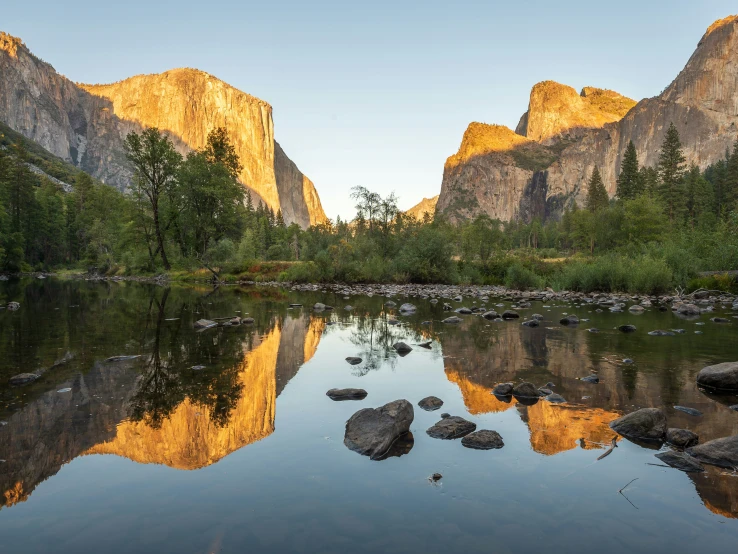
(354, 360)
(483, 440)
(720, 376)
(681, 438)
(690, 411)
(570, 319)
(680, 461)
(402, 348)
(627, 328)
(720, 320)
(372, 431)
(408, 308)
(23, 379)
(644, 424)
(591, 379)
(531, 323)
(205, 324)
(661, 333)
(346, 394)
(719, 452)
(555, 398)
(451, 427)
(452, 319)
(430, 403)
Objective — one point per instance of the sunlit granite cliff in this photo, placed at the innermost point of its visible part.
(564, 135)
(86, 124)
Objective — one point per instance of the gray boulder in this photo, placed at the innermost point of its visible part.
(318, 306)
(452, 319)
(526, 389)
(408, 308)
(570, 319)
(627, 328)
(430, 403)
(346, 394)
(719, 452)
(491, 314)
(402, 348)
(688, 309)
(644, 424)
(483, 440)
(680, 461)
(372, 431)
(510, 314)
(555, 398)
(681, 438)
(531, 323)
(503, 389)
(720, 376)
(591, 379)
(451, 428)
(354, 360)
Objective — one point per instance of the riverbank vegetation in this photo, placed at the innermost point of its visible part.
(192, 218)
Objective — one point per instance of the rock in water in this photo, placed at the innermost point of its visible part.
(23, 379)
(122, 358)
(531, 323)
(483, 440)
(430, 403)
(503, 389)
(451, 428)
(555, 398)
(681, 438)
(526, 389)
(510, 314)
(354, 360)
(570, 319)
(680, 461)
(372, 431)
(719, 452)
(452, 319)
(318, 306)
(205, 324)
(661, 333)
(490, 315)
(688, 309)
(627, 328)
(13, 306)
(644, 424)
(591, 379)
(346, 394)
(402, 348)
(407, 308)
(721, 376)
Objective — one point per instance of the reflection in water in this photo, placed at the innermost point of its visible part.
(158, 409)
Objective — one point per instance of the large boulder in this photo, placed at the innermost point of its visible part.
(503, 389)
(719, 452)
(688, 309)
(451, 428)
(483, 440)
(643, 424)
(720, 376)
(346, 394)
(526, 390)
(407, 308)
(373, 431)
(570, 319)
(680, 461)
(681, 438)
(402, 348)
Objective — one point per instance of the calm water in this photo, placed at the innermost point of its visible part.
(246, 454)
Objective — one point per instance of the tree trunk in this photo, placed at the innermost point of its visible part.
(159, 238)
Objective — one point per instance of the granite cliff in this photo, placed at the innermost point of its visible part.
(86, 124)
(425, 206)
(544, 166)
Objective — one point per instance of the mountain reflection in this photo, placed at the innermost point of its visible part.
(158, 409)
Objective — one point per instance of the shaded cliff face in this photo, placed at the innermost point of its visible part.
(592, 129)
(86, 124)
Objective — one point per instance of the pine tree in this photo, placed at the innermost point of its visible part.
(671, 174)
(630, 184)
(597, 198)
(649, 177)
(280, 220)
(698, 195)
(730, 191)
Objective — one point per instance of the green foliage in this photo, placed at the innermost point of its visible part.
(630, 184)
(614, 273)
(597, 198)
(521, 278)
(670, 186)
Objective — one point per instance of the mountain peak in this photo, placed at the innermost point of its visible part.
(719, 24)
(10, 44)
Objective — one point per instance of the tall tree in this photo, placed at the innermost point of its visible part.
(698, 196)
(630, 184)
(156, 163)
(671, 174)
(597, 198)
(730, 192)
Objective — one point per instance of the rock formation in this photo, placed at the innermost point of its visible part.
(425, 206)
(510, 176)
(86, 124)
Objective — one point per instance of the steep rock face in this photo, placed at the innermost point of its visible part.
(425, 206)
(86, 124)
(702, 102)
(557, 112)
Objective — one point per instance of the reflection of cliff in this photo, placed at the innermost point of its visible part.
(478, 399)
(718, 490)
(93, 418)
(557, 428)
(190, 438)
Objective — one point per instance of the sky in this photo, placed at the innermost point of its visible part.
(376, 94)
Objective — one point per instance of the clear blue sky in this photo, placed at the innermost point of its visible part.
(375, 93)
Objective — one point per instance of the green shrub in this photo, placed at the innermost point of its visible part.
(519, 277)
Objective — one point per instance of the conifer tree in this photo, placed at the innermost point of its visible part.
(698, 195)
(730, 190)
(671, 174)
(629, 180)
(597, 198)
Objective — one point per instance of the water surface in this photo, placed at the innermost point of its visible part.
(245, 453)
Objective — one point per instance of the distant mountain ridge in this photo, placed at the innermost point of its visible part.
(86, 124)
(544, 167)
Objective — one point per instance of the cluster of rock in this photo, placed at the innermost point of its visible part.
(202, 324)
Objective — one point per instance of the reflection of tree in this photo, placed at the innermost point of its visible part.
(168, 377)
